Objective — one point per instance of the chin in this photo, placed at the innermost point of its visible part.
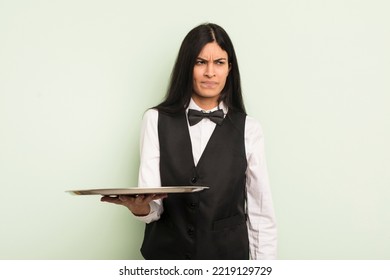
(207, 96)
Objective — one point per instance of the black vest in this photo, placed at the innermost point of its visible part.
(210, 224)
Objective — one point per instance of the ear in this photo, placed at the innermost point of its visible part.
(230, 67)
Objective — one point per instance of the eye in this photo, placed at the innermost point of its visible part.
(220, 62)
(200, 62)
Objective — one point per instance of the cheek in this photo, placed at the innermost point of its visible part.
(195, 81)
(196, 76)
(224, 73)
(224, 77)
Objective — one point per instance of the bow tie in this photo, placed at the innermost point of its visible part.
(195, 116)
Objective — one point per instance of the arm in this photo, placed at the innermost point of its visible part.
(146, 208)
(261, 218)
(149, 170)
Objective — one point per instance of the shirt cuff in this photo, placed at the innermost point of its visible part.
(154, 214)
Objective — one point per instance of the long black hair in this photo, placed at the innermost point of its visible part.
(180, 88)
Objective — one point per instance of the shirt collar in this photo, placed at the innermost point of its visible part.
(192, 105)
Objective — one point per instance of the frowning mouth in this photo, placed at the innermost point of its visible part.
(209, 84)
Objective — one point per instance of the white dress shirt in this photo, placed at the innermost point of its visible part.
(261, 224)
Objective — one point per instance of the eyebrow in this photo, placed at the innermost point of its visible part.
(222, 58)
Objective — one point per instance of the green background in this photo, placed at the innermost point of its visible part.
(76, 77)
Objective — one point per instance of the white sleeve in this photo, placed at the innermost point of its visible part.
(149, 170)
(261, 222)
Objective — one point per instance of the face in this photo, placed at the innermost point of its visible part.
(210, 73)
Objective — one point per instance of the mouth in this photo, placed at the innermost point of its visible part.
(208, 84)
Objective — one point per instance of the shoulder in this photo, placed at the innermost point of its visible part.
(253, 128)
(150, 114)
(150, 119)
(254, 138)
(237, 118)
(154, 118)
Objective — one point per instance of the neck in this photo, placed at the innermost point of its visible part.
(205, 103)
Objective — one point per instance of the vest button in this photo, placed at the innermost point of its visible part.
(193, 205)
(194, 180)
(190, 231)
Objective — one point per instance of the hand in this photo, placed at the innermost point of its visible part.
(137, 204)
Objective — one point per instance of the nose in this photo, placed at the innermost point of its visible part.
(209, 70)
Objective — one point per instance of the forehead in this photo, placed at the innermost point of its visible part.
(212, 50)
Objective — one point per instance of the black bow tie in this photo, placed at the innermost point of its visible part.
(195, 116)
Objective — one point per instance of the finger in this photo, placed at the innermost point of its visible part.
(160, 196)
(141, 199)
(156, 197)
(128, 198)
(111, 199)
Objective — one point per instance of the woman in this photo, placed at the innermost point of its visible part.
(182, 145)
